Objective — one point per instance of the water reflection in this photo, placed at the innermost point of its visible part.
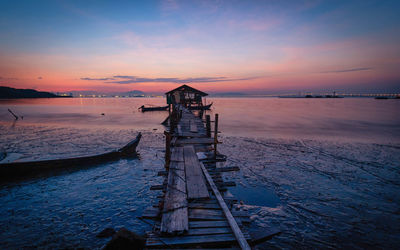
(322, 194)
(345, 119)
(360, 119)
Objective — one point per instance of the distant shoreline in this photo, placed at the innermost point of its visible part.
(12, 93)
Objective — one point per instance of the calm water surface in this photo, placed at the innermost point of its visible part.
(324, 171)
(358, 119)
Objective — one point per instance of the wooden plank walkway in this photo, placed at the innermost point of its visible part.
(232, 223)
(195, 182)
(193, 210)
(175, 212)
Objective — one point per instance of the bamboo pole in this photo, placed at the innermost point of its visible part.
(15, 116)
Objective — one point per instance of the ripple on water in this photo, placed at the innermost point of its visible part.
(68, 210)
(329, 194)
(320, 194)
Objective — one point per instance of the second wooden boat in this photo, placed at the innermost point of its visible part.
(205, 107)
(145, 109)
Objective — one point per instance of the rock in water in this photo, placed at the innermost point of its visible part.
(125, 239)
(108, 232)
(3, 154)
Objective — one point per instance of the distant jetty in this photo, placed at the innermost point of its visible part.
(311, 96)
(378, 96)
(333, 95)
(12, 93)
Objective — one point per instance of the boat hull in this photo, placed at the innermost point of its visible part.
(206, 107)
(146, 109)
(16, 170)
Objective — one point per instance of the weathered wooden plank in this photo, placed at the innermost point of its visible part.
(203, 224)
(206, 217)
(218, 159)
(208, 201)
(202, 148)
(190, 240)
(179, 129)
(205, 212)
(175, 212)
(195, 141)
(227, 169)
(177, 154)
(210, 231)
(195, 182)
(189, 134)
(199, 205)
(212, 215)
(173, 141)
(204, 206)
(193, 126)
(233, 224)
(209, 224)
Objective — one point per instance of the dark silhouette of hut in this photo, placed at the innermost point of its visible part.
(187, 96)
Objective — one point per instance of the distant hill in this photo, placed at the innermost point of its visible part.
(228, 94)
(134, 93)
(12, 93)
(90, 93)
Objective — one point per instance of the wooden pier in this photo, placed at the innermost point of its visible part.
(193, 211)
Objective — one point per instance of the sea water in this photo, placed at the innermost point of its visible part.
(323, 171)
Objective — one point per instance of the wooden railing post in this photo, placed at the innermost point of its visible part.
(173, 120)
(167, 149)
(215, 135)
(208, 125)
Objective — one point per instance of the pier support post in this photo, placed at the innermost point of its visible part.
(167, 149)
(215, 136)
(173, 120)
(208, 125)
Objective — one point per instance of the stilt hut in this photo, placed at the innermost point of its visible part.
(187, 96)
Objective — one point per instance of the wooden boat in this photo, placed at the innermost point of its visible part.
(145, 109)
(9, 171)
(206, 107)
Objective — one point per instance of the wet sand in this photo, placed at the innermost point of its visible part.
(321, 194)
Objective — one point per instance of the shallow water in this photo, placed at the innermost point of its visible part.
(342, 119)
(69, 209)
(320, 190)
(331, 195)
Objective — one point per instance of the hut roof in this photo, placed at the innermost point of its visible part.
(185, 87)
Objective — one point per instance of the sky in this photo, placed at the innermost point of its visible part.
(218, 46)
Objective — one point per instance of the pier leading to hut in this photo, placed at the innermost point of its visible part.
(195, 210)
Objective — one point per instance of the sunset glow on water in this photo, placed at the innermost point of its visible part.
(347, 119)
